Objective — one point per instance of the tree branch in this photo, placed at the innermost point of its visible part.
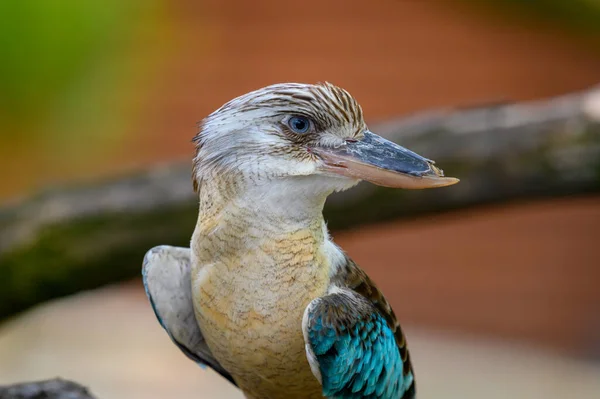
(70, 239)
(50, 389)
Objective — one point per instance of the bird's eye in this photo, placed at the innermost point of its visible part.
(299, 124)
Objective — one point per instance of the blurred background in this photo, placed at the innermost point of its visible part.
(498, 300)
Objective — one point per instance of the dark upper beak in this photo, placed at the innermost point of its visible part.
(382, 162)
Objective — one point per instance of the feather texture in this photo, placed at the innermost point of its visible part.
(166, 276)
(262, 258)
(354, 343)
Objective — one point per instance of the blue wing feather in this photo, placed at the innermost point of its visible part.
(355, 349)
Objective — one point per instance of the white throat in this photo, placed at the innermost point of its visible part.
(268, 223)
(287, 201)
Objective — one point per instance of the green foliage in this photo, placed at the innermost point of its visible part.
(48, 44)
(60, 60)
(73, 83)
(582, 16)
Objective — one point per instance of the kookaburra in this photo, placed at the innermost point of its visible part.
(263, 296)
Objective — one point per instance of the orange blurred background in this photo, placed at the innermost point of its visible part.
(91, 90)
(97, 89)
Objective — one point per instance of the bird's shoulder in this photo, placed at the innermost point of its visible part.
(353, 277)
(355, 325)
(166, 274)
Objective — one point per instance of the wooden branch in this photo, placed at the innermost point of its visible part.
(70, 239)
(50, 389)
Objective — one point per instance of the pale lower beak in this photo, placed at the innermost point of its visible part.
(382, 162)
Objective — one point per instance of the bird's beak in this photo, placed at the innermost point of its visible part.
(382, 162)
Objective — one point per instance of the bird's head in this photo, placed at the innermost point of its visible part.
(304, 132)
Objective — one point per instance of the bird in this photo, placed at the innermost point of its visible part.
(263, 296)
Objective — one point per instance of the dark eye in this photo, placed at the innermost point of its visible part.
(299, 124)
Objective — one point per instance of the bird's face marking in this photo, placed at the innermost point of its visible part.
(291, 130)
(270, 133)
(329, 109)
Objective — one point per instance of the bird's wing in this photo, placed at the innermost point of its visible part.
(166, 275)
(354, 344)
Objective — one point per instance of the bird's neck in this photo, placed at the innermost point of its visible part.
(259, 256)
(237, 219)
